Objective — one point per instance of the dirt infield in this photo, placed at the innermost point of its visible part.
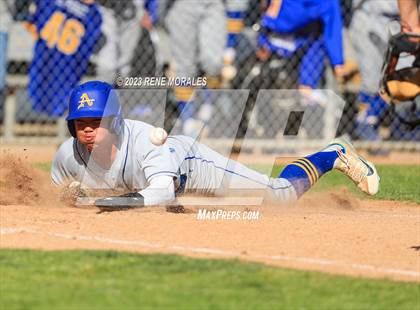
(330, 232)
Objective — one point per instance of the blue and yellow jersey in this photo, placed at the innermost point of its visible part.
(66, 33)
(289, 17)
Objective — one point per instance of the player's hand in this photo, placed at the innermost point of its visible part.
(340, 71)
(406, 28)
(411, 29)
(263, 54)
(347, 72)
(71, 192)
(146, 21)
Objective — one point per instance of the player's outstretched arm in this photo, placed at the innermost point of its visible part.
(409, 12)
(160, 191)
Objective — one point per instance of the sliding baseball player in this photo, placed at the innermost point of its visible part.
(107, 151)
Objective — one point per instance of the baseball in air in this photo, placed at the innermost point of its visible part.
(158, 136)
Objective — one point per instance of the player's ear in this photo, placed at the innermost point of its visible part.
(72, 128)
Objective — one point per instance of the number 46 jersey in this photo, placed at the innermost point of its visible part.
(66, 32)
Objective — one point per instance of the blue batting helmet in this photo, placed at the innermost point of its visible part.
(94, 99)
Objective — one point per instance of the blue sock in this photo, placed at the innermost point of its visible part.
(297, 177)
(304, 172)
(323, 161)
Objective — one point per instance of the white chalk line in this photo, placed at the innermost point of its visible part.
(179, 248)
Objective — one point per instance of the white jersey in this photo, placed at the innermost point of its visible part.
(194, 166)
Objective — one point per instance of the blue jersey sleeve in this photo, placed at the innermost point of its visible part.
(333, 28)
(292, 17)
(151, 6)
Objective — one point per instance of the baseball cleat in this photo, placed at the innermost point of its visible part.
(362, 172)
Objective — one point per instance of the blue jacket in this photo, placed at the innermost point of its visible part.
(287, 17)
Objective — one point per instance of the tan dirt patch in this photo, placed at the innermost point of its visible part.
(378, 239)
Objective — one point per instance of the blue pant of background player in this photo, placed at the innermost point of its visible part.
(370, 110)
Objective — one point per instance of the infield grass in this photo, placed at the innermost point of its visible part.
(105, 279)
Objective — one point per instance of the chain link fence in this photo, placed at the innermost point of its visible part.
(265, 80)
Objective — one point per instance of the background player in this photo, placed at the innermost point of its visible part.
(122, 29)
(5, 23)
(201, 33)
(298, 21)
(66, 33)
(370, 19)
(107, 151)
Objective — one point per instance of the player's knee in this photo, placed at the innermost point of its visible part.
(281, 190)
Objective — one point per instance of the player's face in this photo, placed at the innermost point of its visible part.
(92, 131)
